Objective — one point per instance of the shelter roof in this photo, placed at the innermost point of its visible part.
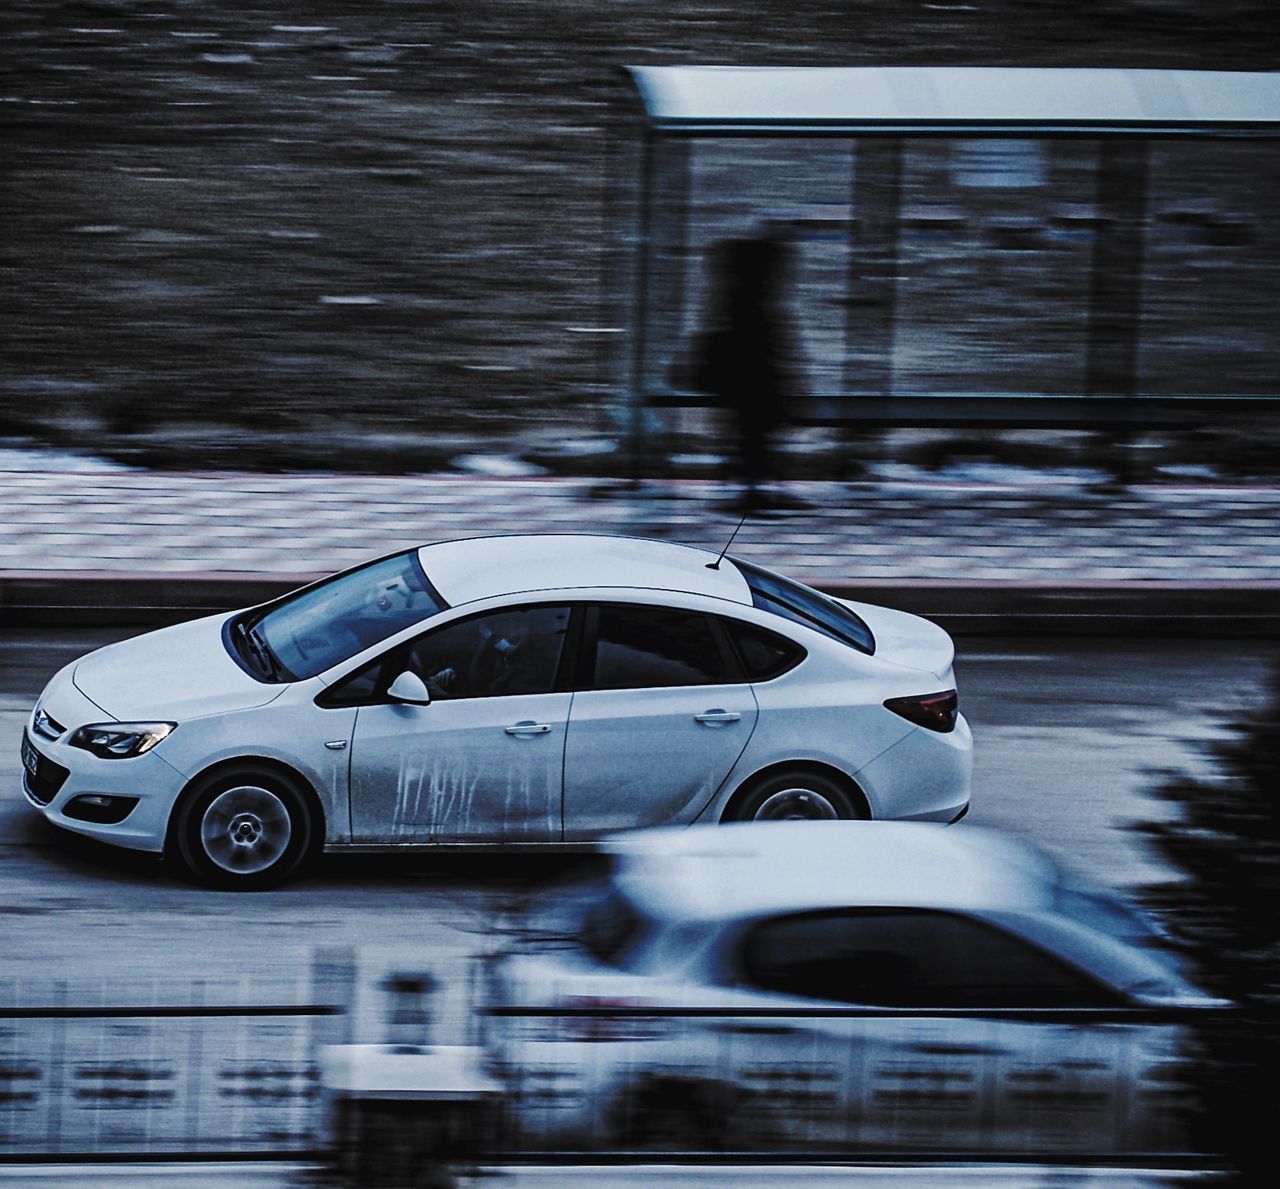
(955, 100)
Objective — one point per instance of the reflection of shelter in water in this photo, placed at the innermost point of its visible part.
(990, 234)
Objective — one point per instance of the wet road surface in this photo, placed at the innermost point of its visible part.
(1068, 736)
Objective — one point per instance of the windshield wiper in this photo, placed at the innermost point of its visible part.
(268, 658)
(261, 651)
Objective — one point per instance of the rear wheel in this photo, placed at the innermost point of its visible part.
(244, 830)
(795, 796)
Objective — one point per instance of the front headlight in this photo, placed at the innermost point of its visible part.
(121, 740)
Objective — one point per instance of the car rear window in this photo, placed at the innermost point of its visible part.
(802, 604)
(765, 655)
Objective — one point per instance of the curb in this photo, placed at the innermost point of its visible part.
(1150, 608)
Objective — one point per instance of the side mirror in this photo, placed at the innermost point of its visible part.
(409, 687)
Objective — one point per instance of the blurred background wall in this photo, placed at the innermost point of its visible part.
(374, 234)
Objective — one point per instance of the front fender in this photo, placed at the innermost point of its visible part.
(295, 737)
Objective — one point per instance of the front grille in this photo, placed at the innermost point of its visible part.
(43, 784)
(46, 725)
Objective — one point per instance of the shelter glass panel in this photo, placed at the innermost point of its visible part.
(995, 260)
(1212, 269)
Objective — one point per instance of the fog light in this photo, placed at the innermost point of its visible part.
(100, 808)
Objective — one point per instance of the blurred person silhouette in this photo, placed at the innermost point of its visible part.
(747, 359)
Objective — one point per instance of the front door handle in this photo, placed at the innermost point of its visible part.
(529, 728)
(717, 716)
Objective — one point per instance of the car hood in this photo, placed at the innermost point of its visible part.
(176, 673)
(907, 640)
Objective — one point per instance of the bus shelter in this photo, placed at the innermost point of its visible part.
(1023, 194)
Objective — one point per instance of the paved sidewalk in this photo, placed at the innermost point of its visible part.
(1044, 545)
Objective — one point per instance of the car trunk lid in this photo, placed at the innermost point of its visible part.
(907, 640)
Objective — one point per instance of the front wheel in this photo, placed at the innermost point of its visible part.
(244, 830)
(795, 796)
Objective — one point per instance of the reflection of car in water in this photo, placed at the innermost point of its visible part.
(881, 986)
(532, 689)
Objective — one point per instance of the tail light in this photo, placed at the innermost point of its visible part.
(934, 712)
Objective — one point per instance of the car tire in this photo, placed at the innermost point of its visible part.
(244, 829)
(794, 796)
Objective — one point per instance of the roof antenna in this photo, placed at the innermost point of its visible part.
(715, 565)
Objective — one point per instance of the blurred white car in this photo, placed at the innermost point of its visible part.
(878, 987)
(522, 689)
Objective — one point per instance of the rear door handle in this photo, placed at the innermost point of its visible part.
(715, 716)
(528, 728)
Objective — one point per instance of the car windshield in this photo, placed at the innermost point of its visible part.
(323, 625)
(802, 604)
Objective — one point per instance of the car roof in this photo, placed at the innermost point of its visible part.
(482, 567)
(759, 869)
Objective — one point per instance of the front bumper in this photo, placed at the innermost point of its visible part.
(155, 785)
(67, 772)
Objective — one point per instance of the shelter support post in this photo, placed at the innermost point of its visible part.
(637, 439)
(1115, 287)
(871, 299)
(658, 288)
(665, 308)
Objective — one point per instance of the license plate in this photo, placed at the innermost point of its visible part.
(30, 758)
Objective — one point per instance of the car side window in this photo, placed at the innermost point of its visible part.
(655, 647)
(512, 651)
(910, 958)
(764, 654)
(495, 654)
(361, 688)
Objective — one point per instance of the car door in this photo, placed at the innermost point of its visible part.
(484, 759)
(959, 1035)
(661, 714)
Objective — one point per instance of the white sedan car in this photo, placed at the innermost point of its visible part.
(520, 689)
(877, 987)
